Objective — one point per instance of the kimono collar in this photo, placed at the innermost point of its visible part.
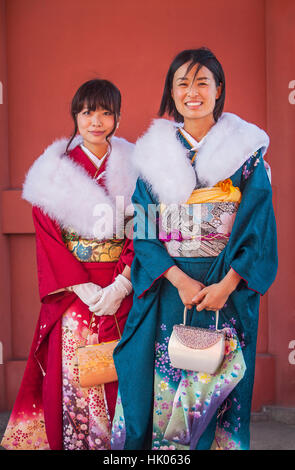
(97, 162)
(162, 161)
(188, 141)
(66, 192)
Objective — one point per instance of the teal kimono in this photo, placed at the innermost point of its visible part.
(156, 400)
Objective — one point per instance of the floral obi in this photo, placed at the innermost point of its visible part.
(92, 250)
(201, 227)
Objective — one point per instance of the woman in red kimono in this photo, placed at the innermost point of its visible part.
(76, 189)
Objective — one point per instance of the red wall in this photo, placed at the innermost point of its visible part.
(5, 310)
(53, 46)
(280, 48)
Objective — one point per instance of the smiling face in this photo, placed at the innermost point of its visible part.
(94, 127)
(194, 94)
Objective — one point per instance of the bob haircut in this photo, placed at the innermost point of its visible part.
(94, 94)
(202, 57)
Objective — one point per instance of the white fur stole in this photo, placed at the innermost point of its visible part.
(64, 190)
(162, 160)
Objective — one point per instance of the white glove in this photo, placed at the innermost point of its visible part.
(89, 292)
(112, 296)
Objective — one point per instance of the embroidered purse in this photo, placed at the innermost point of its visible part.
(196, 349)
(95, 361)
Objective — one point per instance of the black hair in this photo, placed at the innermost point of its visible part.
(203, 57)
(94, 94)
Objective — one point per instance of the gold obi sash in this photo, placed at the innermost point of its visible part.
(201, 227)
(92, 251)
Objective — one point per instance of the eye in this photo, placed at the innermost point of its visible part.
(182, 84)
(107, 113)
(86, 112)
(203, 84)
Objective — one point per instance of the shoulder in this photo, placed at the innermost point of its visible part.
(159, 129)
(119, 143)
(158, 147)
(121, 152)
(120, 173)
(241, 132)
(51, 169)
(52, 155)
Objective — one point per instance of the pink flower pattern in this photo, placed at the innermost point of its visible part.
(86, 424)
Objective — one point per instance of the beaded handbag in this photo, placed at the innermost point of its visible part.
(196, 349)
(95, 361)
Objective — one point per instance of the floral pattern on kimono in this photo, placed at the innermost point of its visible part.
(86, 423)
(186, 401)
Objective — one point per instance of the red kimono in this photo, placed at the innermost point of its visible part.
(51, 410)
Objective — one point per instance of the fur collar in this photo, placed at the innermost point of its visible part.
(66, 193)
(162, 160)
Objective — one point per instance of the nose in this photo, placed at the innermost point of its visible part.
(96, 121)
(192, 90)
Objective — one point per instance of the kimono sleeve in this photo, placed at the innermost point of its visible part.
(151, 259)
(125, 259)
(252, 249)
(57, 267)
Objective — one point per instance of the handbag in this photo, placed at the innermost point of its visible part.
(95, 361)
(196, 349)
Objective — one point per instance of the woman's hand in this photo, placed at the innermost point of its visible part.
(215, 296)
(112, 296)
(187, 287)
(188, 290)
(211, 298)
(88, 292)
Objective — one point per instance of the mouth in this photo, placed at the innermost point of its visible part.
(193, 104)
(97, 133)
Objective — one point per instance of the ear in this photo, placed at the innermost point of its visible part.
(172, 94)
(218, 92)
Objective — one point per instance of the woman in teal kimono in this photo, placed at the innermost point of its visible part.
(221, 256)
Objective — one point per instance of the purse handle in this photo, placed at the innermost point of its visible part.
(217, 317)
